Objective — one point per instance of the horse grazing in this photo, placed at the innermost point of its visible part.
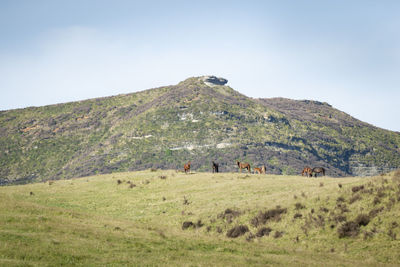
(318, 170)
(243, 165)
(186, 167)
(215, 166)
(260, 170)
(307, 171)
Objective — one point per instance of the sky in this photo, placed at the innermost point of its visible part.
(345, 53)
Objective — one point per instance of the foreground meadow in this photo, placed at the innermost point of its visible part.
(170, 218)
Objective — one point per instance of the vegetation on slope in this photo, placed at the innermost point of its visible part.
(169, 218)
(165, 127)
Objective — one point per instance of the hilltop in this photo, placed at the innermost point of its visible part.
(167, 218)
(200, 119)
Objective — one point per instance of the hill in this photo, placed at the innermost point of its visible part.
(201, 119)
(168, 218)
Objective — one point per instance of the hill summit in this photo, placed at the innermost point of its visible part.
(200, 119)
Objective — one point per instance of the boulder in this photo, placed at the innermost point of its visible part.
(213, 80)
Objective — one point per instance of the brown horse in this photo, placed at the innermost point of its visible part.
(263, 169)
(243, 165)
(318, 170)
(215, 166)
(307, 171)
(260, 170)
(257, 170)
(186, 167)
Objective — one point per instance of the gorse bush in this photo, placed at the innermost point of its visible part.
(237, 231)
(272, 214)
(354, 199)
(297, 215)
(357, 188)
(348, 229)
(263, 231)
(362, 219)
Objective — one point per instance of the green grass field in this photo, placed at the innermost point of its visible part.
(136, 218)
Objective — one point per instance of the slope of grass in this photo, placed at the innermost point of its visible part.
(136, 218)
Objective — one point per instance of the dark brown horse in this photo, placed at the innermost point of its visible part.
(307, 171)
(186, 167)
(215, 166)
(318, 170)
(243, 165)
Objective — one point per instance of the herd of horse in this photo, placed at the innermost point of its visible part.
(307, 171)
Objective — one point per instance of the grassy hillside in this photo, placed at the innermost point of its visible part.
(169, 218)
(165, 127)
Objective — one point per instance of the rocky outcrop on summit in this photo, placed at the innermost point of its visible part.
(212, 80)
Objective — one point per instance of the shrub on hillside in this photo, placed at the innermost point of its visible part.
(381, 192)
(339, 218)
(357, 188)
(352, 228)
(264, 231)
(375, 212)
(354, 198)
(297, 215)
(185, 201)
(368, 235)
(237, 231)
(342, 207)
(229, 214)
(376, 200)
(199, 224)
(272, 214)
(250, 237)
(278, 234)
(367, 191)
(392, 234)
(320, 221)
(362, 219)
(340, 199)
(311, 221)
(390, 203)
(323, 209)
(187, 224)
(349, 229)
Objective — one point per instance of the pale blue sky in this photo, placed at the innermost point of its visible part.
(346, 53)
